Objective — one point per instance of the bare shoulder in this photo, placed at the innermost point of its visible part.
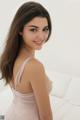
(35, 65)
(36, 62)
(34, 70)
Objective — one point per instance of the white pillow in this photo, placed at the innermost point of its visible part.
(60, 84)
(73, 92)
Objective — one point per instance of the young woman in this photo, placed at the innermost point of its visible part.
(30, 29)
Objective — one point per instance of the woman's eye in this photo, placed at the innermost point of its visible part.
(33, 30)
(46, 29)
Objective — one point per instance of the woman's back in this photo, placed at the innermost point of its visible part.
(23, 105)
(24, 86)
(25, 97)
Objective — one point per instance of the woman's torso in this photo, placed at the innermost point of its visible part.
(24, 104)
(24, 85)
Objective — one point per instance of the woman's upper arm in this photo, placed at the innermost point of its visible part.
(37, 79)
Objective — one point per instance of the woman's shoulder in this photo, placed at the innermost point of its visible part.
(34, 69)
(35, 61)
(35, 64)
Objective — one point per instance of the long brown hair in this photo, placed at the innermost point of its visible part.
(24, 14)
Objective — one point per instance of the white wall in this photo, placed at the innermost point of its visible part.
(61, 53)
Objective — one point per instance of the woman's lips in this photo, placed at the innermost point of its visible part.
(38, 42)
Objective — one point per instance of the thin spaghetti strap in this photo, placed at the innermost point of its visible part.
(18, 76)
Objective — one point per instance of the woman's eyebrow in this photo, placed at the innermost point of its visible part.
(36, 26)
(32, 26)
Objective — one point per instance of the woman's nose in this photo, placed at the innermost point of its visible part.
(41, 36)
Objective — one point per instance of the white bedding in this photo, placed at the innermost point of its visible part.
(64, 110)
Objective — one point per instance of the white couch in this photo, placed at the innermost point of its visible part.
(64, 97)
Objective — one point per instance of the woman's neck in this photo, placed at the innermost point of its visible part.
(27, 51)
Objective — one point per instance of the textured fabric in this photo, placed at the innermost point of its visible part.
(23, 106)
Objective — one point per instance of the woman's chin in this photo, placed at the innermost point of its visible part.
(38, 48)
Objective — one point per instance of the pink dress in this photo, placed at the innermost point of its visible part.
(23, 106)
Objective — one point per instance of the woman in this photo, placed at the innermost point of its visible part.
(30, 29)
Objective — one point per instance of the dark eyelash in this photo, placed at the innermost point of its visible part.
(33, 30)
(46, 29)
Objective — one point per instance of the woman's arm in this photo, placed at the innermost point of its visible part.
(36, 76)
(49, 83)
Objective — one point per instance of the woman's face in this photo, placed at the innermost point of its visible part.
(35, 33)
